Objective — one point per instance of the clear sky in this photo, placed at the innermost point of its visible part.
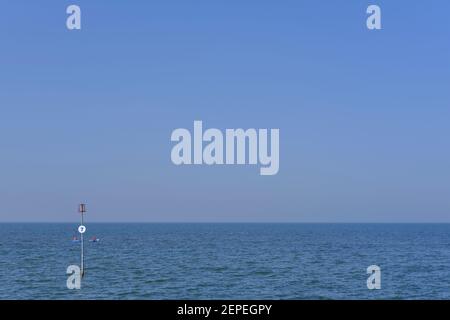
(86, 116)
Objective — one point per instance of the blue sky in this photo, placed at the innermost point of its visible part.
(87, 115)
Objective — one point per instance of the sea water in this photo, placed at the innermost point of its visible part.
(227, 261)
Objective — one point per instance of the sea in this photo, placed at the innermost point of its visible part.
(226, 261)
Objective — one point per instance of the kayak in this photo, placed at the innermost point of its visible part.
(90, 240)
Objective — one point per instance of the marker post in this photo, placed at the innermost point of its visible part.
(81, 230)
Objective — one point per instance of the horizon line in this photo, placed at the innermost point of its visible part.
(236, 222)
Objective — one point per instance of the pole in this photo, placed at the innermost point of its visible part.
(82, 210)
(82, 249)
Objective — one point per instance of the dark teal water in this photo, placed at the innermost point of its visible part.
(227, 261)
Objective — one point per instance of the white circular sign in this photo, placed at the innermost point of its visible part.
(81, 229)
